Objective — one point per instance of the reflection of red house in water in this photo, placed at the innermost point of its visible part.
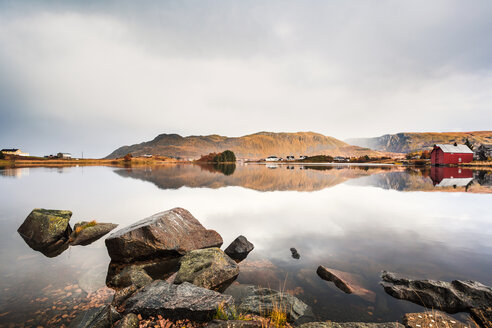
(451, 154)
(451, 176)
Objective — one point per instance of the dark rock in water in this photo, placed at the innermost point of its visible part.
(262, 301)
(156, 269)
(100, 317)
(89, 232)
(130, 276)
(185, 301)
(330, 324)
(346, 282)
(174, 232)
(129, 321)
(234, 324)
(209, 268)
(295, 254)
(453, 297)
(431, 319)
(482, 316)
(239, 249)
(121, 295)
(46, 231)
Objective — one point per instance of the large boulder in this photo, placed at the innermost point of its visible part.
(130, 276)
(209, 268)
(346, 282)
(239, 249)
(263, 301)
(46, 231)
(174, 232)
(85, 233)
(100, 317)
(185, 301)
(457, 296)
(330, 324)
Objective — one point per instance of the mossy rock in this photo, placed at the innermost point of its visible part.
(85, 233)
(43, 227)
(210, 268)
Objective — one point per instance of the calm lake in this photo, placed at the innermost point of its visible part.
(426, 223)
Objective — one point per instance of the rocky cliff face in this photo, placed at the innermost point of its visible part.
(408, 141)
(254, 146)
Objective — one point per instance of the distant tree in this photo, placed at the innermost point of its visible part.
(426, 154)
(2, 156)
(225, 157)
(128, 157)
(208, 158)
(468, 143)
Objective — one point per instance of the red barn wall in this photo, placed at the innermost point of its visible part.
(440, 157)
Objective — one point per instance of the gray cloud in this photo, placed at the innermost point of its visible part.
(96, 75)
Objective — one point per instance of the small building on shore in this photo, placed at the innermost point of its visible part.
(64, 155)
(444, 154)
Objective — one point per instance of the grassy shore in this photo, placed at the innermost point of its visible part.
(55, 162)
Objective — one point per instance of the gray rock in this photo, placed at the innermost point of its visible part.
(209, 268)
(453, 297)
(239, 249)
(262, 301)
(185, 301)
(100, 317)
(89, 232)
(157, 269)
(46, 231)
(129, 276)
(431, 319)
(174, 232)
(330, 324)
(120, 296)
(129, 321)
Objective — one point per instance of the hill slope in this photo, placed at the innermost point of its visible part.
(253, 146)
(411, 141)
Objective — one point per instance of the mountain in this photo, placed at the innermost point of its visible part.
(253, 146)
(411, 141)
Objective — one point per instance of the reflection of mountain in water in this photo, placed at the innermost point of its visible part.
(257, 177)
(312, 177)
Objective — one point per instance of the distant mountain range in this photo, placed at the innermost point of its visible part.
(253, 146)
(411, 141)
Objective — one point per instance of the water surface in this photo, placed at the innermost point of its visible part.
(426, 223)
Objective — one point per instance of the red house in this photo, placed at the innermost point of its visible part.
(450, 176)
(451, 154)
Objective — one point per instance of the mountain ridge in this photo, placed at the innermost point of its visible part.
(252, 146)
(405, 142)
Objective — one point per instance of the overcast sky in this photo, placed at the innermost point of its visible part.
(92, 76)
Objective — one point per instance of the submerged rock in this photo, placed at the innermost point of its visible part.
(453, 297)
(209, 268)
(330, 324)
(85, 233)
(239, 249)
(262, 301)
(100, 317)
(431, 319)
(46, 231)
(294, 253)
(185, 301)
(346, 282)
(174, 232)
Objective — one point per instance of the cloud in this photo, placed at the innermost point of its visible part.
(101, 74)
